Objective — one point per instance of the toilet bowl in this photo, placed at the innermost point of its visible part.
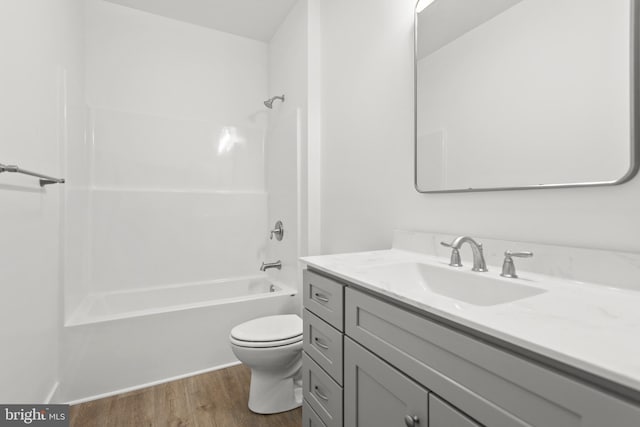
(272, 347)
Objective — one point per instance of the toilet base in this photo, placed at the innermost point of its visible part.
(271, 393)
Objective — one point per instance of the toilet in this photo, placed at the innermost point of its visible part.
(272, 347)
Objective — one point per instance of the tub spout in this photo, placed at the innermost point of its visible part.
(267, 265)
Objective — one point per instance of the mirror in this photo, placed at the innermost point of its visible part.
(518, 94)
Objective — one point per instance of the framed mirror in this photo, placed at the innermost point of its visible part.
(521, 94)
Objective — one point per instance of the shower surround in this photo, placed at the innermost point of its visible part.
(167, 208)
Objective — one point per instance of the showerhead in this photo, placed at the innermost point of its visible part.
(269, 102)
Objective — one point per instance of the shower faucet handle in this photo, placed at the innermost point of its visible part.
(278, 231)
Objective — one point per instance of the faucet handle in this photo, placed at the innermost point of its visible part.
(522, 254)
(508, 267)
(278, 231)
(455, 255)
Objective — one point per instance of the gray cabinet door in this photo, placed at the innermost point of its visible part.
(377, 395)
(441, 414)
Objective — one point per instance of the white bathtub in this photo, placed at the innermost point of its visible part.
(100, 307)
(125, 340)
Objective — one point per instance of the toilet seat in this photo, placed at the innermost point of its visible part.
(265, 344)
(270, 331)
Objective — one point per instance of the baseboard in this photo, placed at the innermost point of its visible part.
(151, 384)
(51, 396)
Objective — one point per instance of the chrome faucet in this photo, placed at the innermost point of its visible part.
(267, 265)
(479, 263)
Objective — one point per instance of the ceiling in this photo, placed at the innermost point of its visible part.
(255, 19)
(445, 20)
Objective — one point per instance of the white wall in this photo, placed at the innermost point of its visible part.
(176, 168)
(313, 186)
(286, 143)
(145, 63)
(367, 139)
(42, 107)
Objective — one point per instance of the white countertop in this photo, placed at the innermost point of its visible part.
(591, 327)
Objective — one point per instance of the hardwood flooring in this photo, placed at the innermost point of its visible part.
(214, 399)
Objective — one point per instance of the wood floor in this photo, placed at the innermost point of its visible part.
(214, 399)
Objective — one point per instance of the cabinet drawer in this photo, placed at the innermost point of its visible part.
(324, 344)
(441, 414)
(309, 417)
(494, 387)
(322, 393)
(324, 297)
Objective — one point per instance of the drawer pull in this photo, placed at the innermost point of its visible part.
(317, 392)
(321, 297)
(320, 344)
(410, 421)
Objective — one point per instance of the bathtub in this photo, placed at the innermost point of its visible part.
(120, 341)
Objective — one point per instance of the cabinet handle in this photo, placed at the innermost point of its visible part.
(321, 297)
(411, 421)
(319, 394)
(321, 344)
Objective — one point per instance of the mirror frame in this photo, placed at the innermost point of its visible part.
(634, 149)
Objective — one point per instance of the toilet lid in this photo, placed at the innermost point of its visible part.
(269, 329)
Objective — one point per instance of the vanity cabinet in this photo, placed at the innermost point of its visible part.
(401, 367)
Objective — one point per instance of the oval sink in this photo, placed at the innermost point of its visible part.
(413, 279)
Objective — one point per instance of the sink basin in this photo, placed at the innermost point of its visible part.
(416, 279)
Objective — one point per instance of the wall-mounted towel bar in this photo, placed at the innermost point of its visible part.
(44, 179)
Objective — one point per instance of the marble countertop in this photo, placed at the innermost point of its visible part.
(591, 327)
